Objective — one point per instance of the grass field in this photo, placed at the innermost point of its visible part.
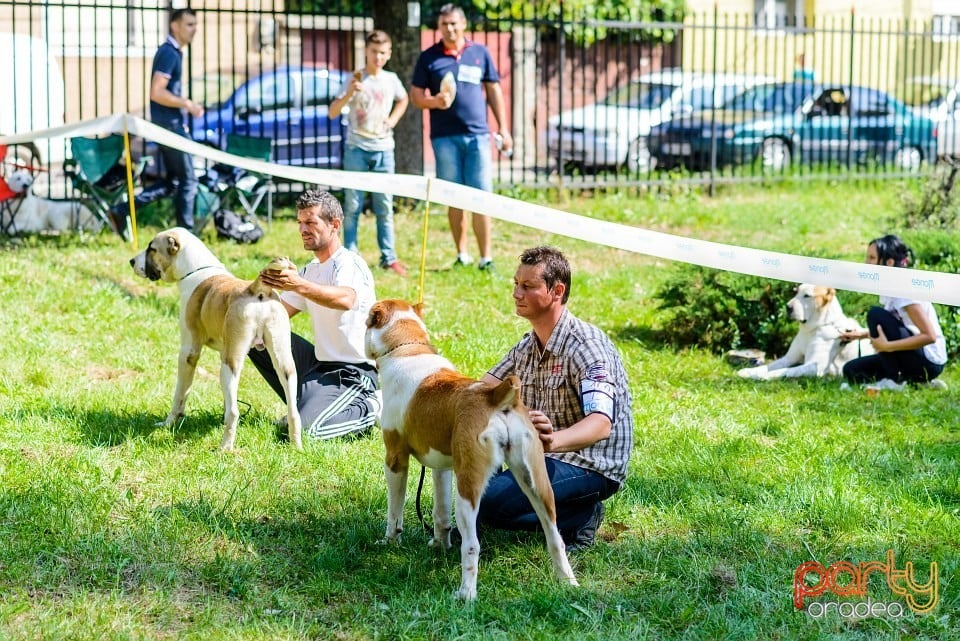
(114, 528)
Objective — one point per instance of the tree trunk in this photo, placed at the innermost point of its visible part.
(391, 16)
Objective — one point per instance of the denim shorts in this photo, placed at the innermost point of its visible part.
(465, 160)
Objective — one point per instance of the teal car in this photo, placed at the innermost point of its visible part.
(780, 124)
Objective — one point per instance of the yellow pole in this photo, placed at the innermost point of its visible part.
(129, 163)
(423, 247)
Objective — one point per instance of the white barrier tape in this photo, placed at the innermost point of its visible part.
(937, 287)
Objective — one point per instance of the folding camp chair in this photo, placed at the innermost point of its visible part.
(98, 172)
(9, 204)
(248, 188)
(10, 200)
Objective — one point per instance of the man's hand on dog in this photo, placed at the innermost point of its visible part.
(544, 428)
(282, 279)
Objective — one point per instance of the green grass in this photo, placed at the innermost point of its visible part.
(114, 528)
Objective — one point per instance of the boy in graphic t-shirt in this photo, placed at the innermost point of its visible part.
(377, 101)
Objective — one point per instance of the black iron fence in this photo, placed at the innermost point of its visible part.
(716, 98)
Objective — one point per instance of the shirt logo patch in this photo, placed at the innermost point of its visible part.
(556, 369)
(469, 74)
(597, 372)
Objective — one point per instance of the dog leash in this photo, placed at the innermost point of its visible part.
(423, 522)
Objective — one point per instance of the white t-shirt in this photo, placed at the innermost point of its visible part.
(338, 335)
(935, 352)
(369, 108)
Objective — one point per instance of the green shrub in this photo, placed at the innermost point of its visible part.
(720, 310)
(932, 205)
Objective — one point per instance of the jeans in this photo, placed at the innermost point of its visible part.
(465, 160)
(356, 159)
(576, 492)
(905, 366)
(179, 165)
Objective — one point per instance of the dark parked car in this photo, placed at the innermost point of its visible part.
(288, 104)
(780, 124)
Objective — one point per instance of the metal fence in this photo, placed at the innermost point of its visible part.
(590, 103)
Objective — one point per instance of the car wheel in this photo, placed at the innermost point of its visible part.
(774, 155)
(22, 156)
(908, 159)
(639, 158)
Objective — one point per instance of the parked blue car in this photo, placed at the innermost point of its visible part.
(288, 104)
(776, 125)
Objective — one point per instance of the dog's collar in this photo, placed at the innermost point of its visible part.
(191, 273)
(396, 347)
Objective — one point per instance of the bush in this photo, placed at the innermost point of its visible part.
(721, 310)
(933, 205)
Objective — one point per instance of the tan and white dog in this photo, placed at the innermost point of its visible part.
(226, 313)
(451, 422)
(33, 214)
(817, 349)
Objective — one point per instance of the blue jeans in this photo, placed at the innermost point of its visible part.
(356, 159)
(576, 492)
(465, 160)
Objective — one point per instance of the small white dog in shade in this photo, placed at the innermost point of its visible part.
(817, 349)
(34, 214)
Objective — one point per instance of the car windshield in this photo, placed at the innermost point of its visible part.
(640, 95)
(269, 92)
(212, 90)
(924, 93)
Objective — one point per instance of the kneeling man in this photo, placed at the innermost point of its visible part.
(337, 382)
(576, 388)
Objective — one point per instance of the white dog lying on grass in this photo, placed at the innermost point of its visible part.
(817, 349)
(34, 214)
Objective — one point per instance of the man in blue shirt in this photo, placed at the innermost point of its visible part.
(167, 107)
(456, 79)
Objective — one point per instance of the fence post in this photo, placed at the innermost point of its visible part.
(853, 34)
(561, 48)
(713, 120)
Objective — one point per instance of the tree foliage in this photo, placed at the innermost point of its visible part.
(584, 21)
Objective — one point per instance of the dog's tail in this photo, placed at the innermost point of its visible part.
(508, 431)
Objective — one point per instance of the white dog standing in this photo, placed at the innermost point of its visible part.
(449, 421)
(226, 313)
(817, 349)
(34, 214)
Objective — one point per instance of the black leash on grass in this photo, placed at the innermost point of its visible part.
(423, 473)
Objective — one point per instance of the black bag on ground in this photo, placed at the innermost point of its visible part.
(231, 225)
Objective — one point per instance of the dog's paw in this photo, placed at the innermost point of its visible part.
(441, 539)
(754, 373)
(465, 594)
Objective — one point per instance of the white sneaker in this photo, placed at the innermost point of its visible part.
(938, 384)
(886, 384)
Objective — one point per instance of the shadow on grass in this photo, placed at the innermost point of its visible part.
(109, 428)
(645, 336)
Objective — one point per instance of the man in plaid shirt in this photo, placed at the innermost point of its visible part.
(576, 388)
